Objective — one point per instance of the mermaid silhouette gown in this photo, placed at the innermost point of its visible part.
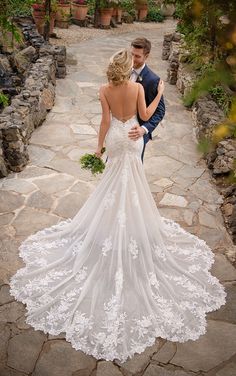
(118, 275)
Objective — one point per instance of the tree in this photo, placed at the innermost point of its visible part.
(47, 23)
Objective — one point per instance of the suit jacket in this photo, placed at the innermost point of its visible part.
(149, 80)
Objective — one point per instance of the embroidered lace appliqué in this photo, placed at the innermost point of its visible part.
(118, 275)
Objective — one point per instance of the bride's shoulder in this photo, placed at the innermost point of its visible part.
(138, 86)
(134, 85)
(103, 87)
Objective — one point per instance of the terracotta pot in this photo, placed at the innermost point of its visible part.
(63, 12)
(105, 16)
(79, 11)
(142, 11)
(38, 6)
(62, 24)
(38, 10)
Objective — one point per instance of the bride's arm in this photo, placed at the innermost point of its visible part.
(146, 112)
(105, 122)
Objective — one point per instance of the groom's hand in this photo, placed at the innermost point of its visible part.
(136, 132)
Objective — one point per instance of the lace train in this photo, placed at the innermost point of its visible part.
(118, 275)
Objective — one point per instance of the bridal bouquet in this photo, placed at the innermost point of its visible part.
(93, 163)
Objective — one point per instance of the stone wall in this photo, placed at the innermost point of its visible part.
(34, 39)
(206, 115)
(37, 65)
(27, 111)
(178, 72)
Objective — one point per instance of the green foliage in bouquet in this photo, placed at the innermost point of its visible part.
(92, 163)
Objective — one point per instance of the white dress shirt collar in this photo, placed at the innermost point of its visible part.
(139, 70)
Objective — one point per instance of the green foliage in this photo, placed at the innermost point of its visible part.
(210, 39)
(8, 10)
(108, 3)
(4, 100)
(170, 1)
(154, 15)
(91, 5)
(211, 77)
(92, 163)
(128, 6)
(221, 97)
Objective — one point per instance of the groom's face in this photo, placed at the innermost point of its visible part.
(139, 57)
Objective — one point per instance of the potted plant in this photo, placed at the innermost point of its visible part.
(39, 14)
(168, 8)
(38, 6)
(40, 17)
(105, 12)
(142, 8)
(63, 14)
(79, 9)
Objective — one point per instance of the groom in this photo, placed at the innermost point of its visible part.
(140, 49)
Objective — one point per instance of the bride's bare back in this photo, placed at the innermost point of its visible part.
(123, 102)
(122, 99)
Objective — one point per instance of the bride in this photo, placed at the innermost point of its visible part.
(118, 275)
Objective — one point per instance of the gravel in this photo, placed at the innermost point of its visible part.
(75, 34)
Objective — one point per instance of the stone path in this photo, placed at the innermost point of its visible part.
(53, 187)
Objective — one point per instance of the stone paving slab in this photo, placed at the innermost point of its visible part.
(53, 187)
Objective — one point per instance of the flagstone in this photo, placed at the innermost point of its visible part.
(96, 120)
(214, 347)
(23, 350)
(59, 359)
(223, 269)
(6, 218)
(173, 200)
(166, 353)
(82, 129)
(164, 182)
(52, 184)
(68, 88)
(40, 155)
(206, 219)
(52, 135)
(161, 167)
(5, 334)
(39, 200)
(107, 369)
(32, 172)
(11, 312)
(228, 311)
(19, 186)
(5, 296)
(10, 201)
(70, 204)
(155, 370)
(228, 370)
(30, 220)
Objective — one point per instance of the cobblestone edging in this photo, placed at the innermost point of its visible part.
(206, 115)
(29, 108)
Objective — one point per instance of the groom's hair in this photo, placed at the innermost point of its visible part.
(143, 43)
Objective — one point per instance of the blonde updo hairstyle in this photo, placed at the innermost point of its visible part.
(120, 66)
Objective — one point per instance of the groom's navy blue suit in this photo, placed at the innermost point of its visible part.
(149, 80)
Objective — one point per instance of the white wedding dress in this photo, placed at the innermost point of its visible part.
(118, 275)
